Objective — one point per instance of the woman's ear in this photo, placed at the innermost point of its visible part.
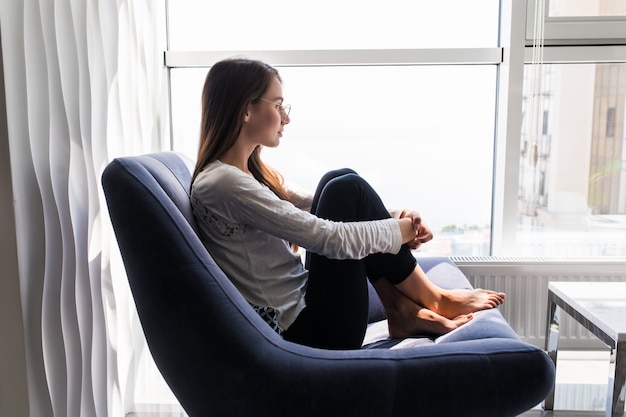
(246, 116)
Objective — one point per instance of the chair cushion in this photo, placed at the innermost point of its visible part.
(443, 272)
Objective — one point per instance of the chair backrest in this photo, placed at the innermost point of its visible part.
(197, 325)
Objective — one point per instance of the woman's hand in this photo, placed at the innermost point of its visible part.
(421, 233)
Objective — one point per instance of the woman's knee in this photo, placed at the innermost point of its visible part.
(346, 186)
(336, 173)
(350, 198)
(323, 188)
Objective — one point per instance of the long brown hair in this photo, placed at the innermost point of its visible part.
(230, 86)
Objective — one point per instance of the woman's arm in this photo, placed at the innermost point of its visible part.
(301, 198)
(240, 199)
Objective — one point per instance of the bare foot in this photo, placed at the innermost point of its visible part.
(459, 302)
(423, 322)
(405, 318)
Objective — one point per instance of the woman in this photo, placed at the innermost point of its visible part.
(250, 222)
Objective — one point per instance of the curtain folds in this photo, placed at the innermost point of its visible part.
(84, 83)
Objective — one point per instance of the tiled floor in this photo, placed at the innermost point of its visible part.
(580, 391)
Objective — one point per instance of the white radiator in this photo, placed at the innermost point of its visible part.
(525, 282)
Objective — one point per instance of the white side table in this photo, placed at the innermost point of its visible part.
(601, 308)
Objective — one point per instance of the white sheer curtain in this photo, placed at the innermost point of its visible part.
(84, 83)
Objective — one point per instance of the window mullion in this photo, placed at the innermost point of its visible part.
(508, 130)
(346, 57)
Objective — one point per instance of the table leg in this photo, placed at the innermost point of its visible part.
(552, 340)
(617, 382)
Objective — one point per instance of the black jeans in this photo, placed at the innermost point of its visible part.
(337, 294)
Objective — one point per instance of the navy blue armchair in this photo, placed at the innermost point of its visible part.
(221, 359)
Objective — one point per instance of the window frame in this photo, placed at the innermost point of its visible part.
(576, 30)
(344, 57)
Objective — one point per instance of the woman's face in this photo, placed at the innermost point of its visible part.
(266, 119)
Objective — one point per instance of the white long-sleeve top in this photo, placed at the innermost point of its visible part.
(247, 230)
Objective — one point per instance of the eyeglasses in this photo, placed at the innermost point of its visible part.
(283, 109)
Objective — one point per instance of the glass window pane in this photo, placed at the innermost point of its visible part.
(572, 194)
(591, 8)
(422, 136)
(329, 24)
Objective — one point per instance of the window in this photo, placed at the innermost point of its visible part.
(417, 106)
(572, 183)
(544, 122)
(422, 135)
(199, 25)
(587, 8)
(610, 122)
(571, 199)
(579, 22)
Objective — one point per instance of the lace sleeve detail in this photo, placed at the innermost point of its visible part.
(270, 316)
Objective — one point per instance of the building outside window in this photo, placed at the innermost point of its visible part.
(571, 176)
